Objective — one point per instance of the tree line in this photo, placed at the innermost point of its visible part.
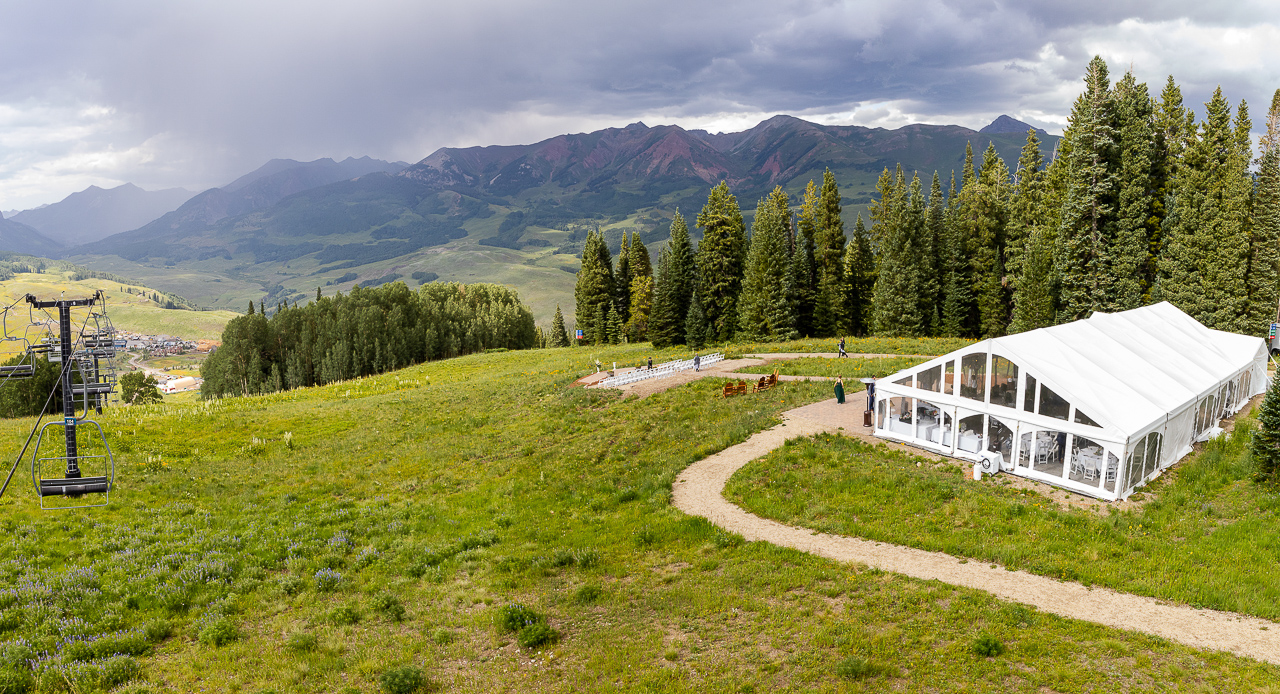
(1139, 203)
(366, 332)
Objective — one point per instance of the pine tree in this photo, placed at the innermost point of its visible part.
(641, 265)
(614, 330)
(696, 327)
(803, 273)
(681, 280)
(957, 297)
(1088, 215)
(559, 337)
(1025, 207)
(666, 328)
(1264, 448)
(1264, 261)
(829, 241)
(1136, 224)
(764, 311)
(935, 236)
(1033, 297)
(860, 279)
(622, 280)
(251, 309)
(600, 324)
(594, 291)
(896, 302)
(721, 257)
(985, 207)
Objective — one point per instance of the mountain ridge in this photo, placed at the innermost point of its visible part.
(96, 213)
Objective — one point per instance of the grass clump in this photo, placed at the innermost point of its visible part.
(987, 646)
(515, 616)
(218, 631)
(536, 635)
(442, 636)
(402, 680)
(327, 580)
(388, 606)
(344, 615)
(301, 642)
(587, 595)
(859, 668)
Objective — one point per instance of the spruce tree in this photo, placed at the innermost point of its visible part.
(637, 329)
(1033, 296)
(641, 265)
(1264, 448)
(764, 311)
(860, 279)
(1088, 214)
(829, 241)
(896, 302)
(1025, 206)
(721, 257)
(1135, 226)
(935, 236)
(803, 274)
(600, 324)
(664, 324)
(622, 280)
(594, 291)
(957, 301)
(559, 337)
(696, 327)
(614, 332)
(682, 276)
(985, 205)
(1264, 260)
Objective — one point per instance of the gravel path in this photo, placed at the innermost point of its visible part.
(699, 491)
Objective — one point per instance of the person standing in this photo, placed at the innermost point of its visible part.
(842, 352)
(839, 390)
(651, 362)
(871, 394)
(697, 362)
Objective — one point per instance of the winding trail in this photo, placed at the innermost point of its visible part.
(699, 491)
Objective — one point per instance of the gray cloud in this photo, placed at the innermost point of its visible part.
(194, 94)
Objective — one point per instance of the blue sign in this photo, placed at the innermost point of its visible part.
(579, 334)
(68, 421)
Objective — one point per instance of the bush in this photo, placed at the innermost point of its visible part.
(389, 606)
(587, 594)
(292, 585)
(343, 615)
(402, 680)
(327, 580)
(987, 646)
(536, 635)
(219, 631)
(515, 617)
(855, 668)
(301, 642)
(14, 681)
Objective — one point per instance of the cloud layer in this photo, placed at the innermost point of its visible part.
(194, 94)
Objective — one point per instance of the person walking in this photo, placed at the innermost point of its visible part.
(651, 362)
(842, 352)
(839, 390)
(697, 362)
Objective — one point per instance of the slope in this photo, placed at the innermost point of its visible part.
(16, 237)
(95, 213)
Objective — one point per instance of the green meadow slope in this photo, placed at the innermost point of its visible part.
(317, 539)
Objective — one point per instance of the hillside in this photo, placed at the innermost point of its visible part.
(318, 539)
(129, 306)
(508, 214)
(16, 237)
(95, 213)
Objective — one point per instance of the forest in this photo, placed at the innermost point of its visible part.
(1139, 203)
(366, 332)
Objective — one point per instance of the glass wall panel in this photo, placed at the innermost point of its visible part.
(900, 416)
(930, 379)
(973, 376)
(1051, 405)
(1082, 418)
(1086, 461)
(933, 424)
(880, 408)
(903, 382)
(1024, 450)
(1029, 400)
(1004, 382)
(1111, 472)
(1000, 439)
(1154, 440)
(1133, 469)
(970, 436)
(1050, 452)
(948, 385)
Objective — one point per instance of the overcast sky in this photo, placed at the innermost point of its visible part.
(194, 94)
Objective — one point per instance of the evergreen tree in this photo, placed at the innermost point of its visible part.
(251, 309)
(663, 322)
(559, 337)
(1033, 296)
(600, 323)
(1026, 206)
(1088, 215)
(1264, 448)
(896, 301)
(764, 309)
(1264, 261)
(803, 273)
(696, 327)
(985, 213)
(594, 291)
(935, 236)
(641, 266)
(860, 279)
(1136, 223)
(957, 302)
(637, 329)
(622, 280)
(614, 329)
(673, 288)
(829, 240)
(721, 258)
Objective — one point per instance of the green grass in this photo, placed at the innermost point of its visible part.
(178, 365)
(1208, 537)
(854, 367)
(234, 558)
(928, 346)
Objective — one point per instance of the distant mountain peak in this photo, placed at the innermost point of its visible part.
(1008, 124)
(638, 125)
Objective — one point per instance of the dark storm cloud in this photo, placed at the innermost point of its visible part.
(194, 94)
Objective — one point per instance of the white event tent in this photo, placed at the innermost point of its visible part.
(1098, 406)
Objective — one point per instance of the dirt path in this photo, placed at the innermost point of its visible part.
(699, 491)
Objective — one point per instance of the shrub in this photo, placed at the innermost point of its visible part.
(587, 594)
(536, 635)
(292, 585)
(343, 615)
(442, 636)
(10, 619)
(219, 631)
(855, 668)
(327, 580)
(514, 617)
(389, 606)
(402, 680)
(987, 646)
(301, 642)
(14, 681)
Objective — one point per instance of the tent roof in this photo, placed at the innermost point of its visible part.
(1126, 370)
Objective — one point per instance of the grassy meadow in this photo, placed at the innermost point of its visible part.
(1205, 534)
(132, 312)
(852, 368)
(482, 523)
(924, 346)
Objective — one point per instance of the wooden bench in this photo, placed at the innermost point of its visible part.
(739, 388)
(767, 382)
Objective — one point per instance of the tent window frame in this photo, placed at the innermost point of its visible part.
(973, 376)
(1006, 369)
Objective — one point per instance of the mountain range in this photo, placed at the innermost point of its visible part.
(513, 214)
(96, 213)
